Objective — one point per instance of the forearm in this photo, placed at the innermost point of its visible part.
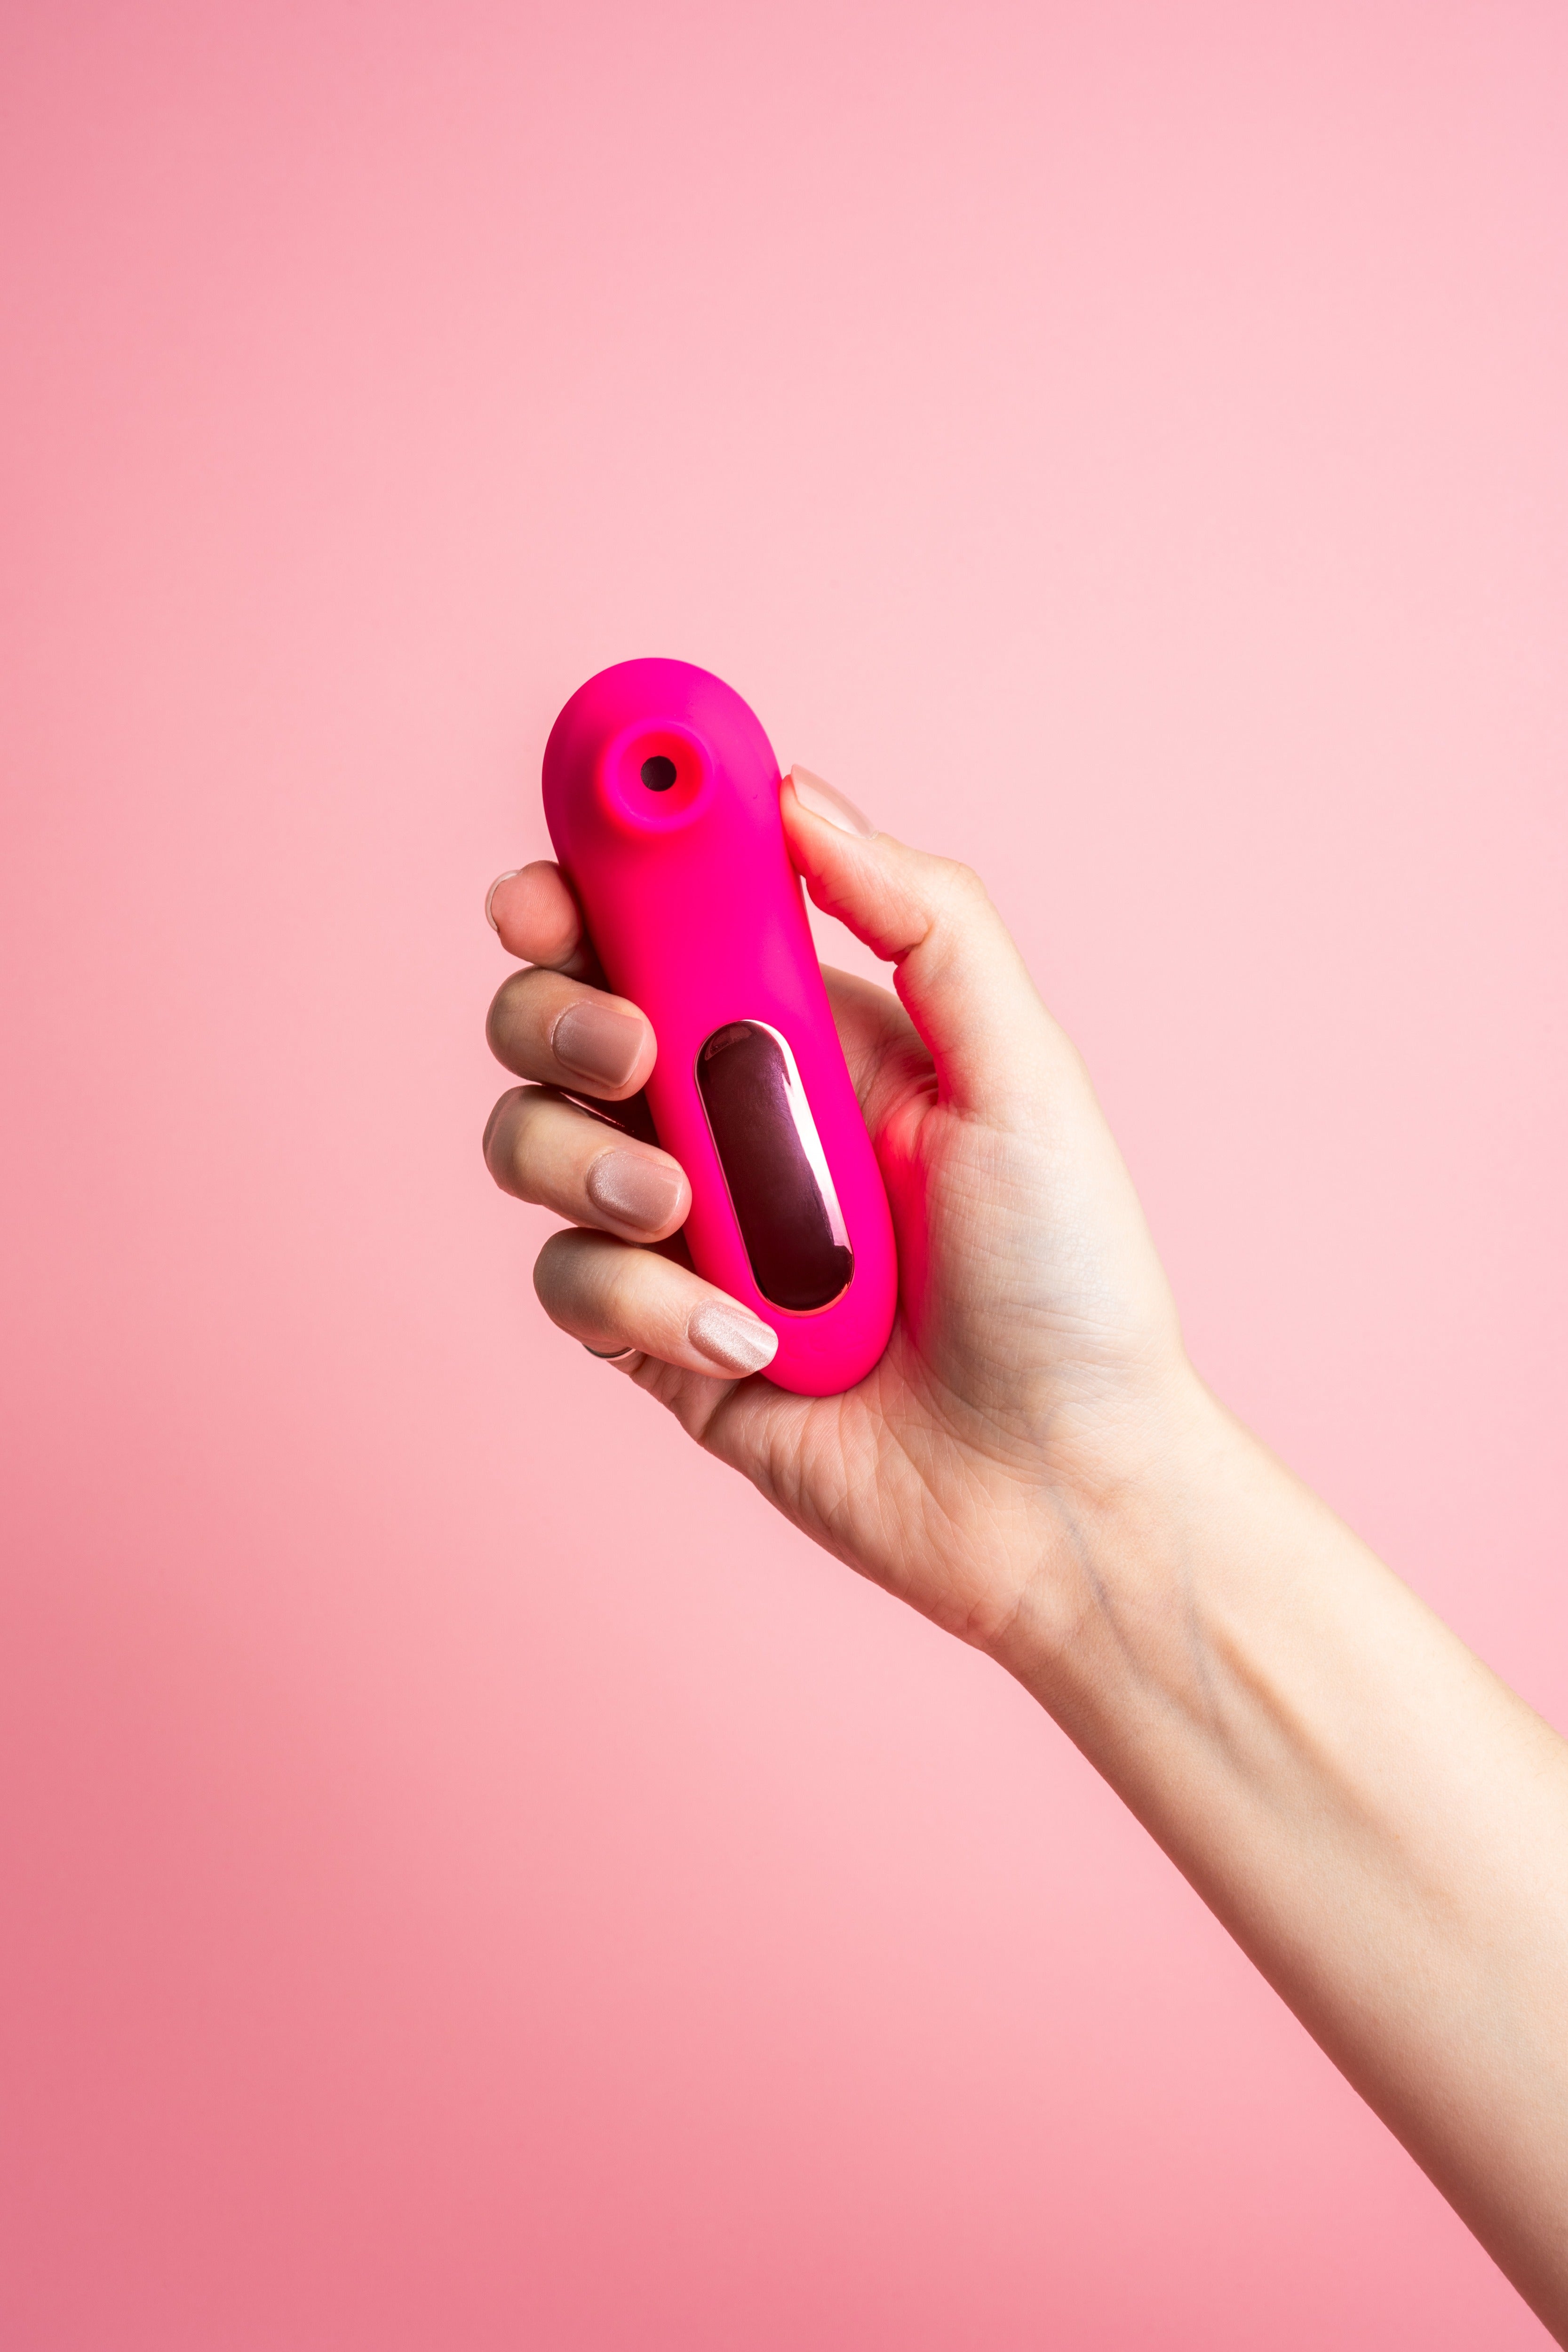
(1381, 1824)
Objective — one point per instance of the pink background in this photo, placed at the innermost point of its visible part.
(471, 1878)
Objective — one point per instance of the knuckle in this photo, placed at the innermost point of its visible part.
(525, 1008)
(585, 1283)
(500, 1020)
(552, 920)
(511, 1143)
(965, 885)
(557, 1275)
(496, 1137)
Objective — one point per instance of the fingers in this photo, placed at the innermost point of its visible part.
(960, 976)
(543, 1150)
(611, 1298)
(544, 1026)
(537, 919)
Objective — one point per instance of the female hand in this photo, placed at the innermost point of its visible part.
(1034, 1376)
(1381, 1824)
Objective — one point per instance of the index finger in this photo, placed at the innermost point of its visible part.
(537, 919)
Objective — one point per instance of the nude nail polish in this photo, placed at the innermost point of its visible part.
(825, 800)
(634, 1190)
(731, 1338)
(594, 1041)
(490, 893)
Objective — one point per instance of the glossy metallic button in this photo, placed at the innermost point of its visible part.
(774, 1165)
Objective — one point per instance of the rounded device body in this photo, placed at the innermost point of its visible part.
(661, 793)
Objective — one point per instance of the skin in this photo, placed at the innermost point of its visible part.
(1376, 1819)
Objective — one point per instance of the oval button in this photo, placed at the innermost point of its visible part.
(774, 1165)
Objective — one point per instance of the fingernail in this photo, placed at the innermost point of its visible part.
(634, 1190)
(731, 1338)
(490, 895)
(825, 800)
(594, 1039)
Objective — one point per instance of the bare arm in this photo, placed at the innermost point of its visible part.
(1379, 1822)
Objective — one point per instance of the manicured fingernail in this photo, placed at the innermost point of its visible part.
(634, 1190)
(490, 895)
(597, 1042)
(731, 1338)
(825, 800)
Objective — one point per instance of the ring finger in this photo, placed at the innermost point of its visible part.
(544, 1150)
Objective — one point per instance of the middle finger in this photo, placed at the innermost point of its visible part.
(546, 1150)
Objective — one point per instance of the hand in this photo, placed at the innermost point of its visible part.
(1034, 1375)
(1379, 1822)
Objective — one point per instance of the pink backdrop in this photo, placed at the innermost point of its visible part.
(471, 1878)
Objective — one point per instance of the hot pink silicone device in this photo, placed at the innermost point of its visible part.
(661, 793)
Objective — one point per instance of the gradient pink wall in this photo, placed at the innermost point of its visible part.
(471, 1878)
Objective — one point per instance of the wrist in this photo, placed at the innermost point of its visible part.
(1113, 1603)
(1202, 1628)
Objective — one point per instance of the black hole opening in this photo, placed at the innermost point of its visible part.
(659, 773)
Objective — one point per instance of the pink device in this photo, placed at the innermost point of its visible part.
(661, 793)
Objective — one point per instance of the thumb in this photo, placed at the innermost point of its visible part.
(961, 979)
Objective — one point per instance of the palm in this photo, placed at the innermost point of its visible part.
(926, 1474)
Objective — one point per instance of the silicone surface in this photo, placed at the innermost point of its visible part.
(661, 793)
